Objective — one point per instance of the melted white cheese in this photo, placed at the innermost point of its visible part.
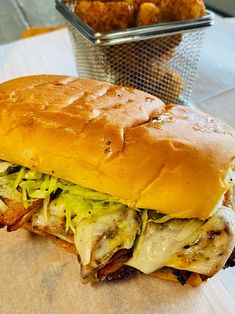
(202, 247)
(96, 241)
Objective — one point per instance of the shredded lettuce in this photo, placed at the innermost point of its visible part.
(39, 188)
(69, 202)
(45, 206)
(4, 167)
(20, 176)
(3, 207)
(32, 175)
(73, 202)
(25, 199)
(7, 188)
(145, 219)
(161, 220)
(62, 199)
(77, 208)
(85, 192)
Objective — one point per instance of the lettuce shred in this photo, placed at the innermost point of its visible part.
(62, 199)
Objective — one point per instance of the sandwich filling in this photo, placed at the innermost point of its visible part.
(108, 235)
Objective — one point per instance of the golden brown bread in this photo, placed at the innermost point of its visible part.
(117, 140)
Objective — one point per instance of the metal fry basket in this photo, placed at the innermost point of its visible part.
(159, 59)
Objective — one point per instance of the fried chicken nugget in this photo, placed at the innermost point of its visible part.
(148, 14)
(105, 17)
(185, 9)
(175, 10)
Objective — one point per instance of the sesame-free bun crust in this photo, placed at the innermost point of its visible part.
(117, 140)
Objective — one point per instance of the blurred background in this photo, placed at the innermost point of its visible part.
(224, 7)
(18, 15)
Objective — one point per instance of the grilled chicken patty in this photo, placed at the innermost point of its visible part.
(113, 241)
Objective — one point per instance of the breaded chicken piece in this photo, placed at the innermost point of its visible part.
(184, 10)
(148, 14)
(175, 10)
(105, 17)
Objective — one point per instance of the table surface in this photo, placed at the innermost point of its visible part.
(18, 15)
(37, 277)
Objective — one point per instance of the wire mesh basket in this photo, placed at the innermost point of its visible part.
(159, 59)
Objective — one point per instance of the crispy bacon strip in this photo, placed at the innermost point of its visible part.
(115, 269)
(15, 211)
(16, 214)
(32, 210)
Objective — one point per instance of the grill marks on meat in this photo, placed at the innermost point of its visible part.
(17, 214)
(116, 270)
(122, 273)
(231, 261)
(184, 276)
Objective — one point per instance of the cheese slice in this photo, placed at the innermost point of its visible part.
(194, 245)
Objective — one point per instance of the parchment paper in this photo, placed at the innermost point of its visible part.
(38, 277)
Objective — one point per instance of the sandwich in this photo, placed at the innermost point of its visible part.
(117, 177)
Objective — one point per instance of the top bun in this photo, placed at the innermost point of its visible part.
(117, 140)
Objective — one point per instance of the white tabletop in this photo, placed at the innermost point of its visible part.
(37, 277)
(214, 89)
